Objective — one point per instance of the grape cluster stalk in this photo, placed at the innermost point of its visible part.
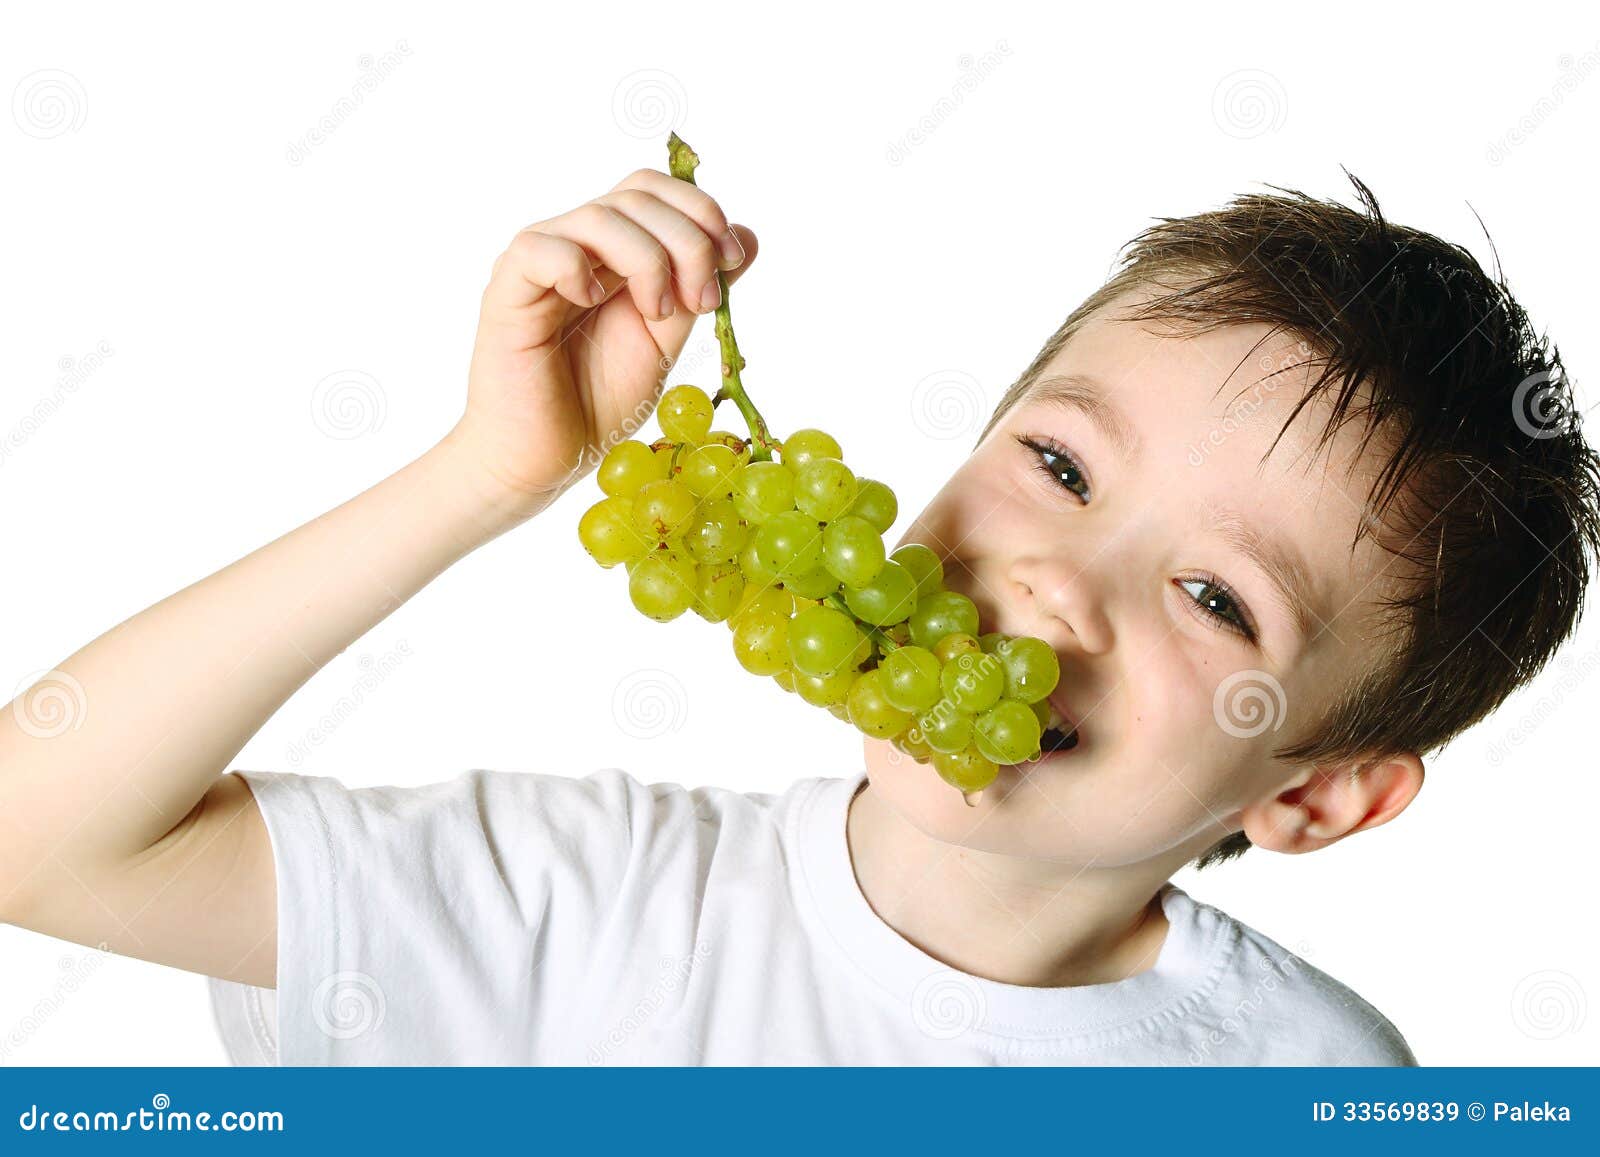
(783, 542)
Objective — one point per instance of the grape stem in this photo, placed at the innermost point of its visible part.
(885, 643)
(681, 162)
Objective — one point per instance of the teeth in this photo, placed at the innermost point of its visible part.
(1057, 720)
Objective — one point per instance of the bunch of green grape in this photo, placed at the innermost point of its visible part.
(789, 553)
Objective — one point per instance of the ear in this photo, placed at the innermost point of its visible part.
(1322, 806)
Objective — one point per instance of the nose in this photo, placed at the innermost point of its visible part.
(1068, 601)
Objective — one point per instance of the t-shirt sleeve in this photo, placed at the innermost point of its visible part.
(414, 923)
(1379, 1044)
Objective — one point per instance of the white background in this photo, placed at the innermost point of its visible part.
(154, 202)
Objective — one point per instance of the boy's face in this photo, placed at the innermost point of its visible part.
(1108, 553)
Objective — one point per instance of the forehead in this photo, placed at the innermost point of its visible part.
(1196, 422)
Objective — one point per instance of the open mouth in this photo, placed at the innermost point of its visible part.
(1060, 734)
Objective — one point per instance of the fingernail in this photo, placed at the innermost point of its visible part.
(732, 251)
(596, 290)
(667, 308)
(710, 297)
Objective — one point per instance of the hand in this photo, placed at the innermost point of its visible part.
(582, 318)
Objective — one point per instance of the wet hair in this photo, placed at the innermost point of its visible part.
(1488, 496)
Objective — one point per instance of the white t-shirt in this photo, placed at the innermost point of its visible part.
(520, 918)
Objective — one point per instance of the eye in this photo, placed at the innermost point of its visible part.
(1219, 606)
(1058, 464)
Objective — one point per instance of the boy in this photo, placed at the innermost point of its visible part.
(1263, 616)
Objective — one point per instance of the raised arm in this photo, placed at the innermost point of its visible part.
(122, 828)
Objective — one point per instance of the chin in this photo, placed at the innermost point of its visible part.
(915, 792)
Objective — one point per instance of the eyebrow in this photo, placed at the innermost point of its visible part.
(1284, 568)
(1085, 395)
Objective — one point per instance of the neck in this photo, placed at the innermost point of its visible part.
(1024, 922)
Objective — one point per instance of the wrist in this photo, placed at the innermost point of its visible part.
(484, 499)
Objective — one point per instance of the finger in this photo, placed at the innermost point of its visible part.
(533, 265)
(693, 254)
(749, 245)
(625, 247)
(694, 203)
(748, 242)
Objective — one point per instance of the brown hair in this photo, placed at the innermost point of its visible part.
(1489, 494)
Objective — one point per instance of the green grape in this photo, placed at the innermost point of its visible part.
(924, 566)
(966, 770)
(823, 487)
(764, 601)
(738, 445)
(1031, 668)
(940, 614)
(804, 445)
(789, 544)
(607, 532)
(1041, 712)
(989, 642)
(822, 640)
(852, 550)
(876, 503)
(830, 690)
(662, 585)
(952, 647)
(761, 642)
(663, 508)
(1007, 733)
(913, 744)
(662, 452)
(837, 710)
(685, 414)
(763, 489)
(717, 535)
(785, 679)
(871, 712)
(718, 588)
(910, 678)
(813, 584)
(888, 598)
(973, 683)
(944, 728)
(755, 575)
(708, 470)
(628, 466)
